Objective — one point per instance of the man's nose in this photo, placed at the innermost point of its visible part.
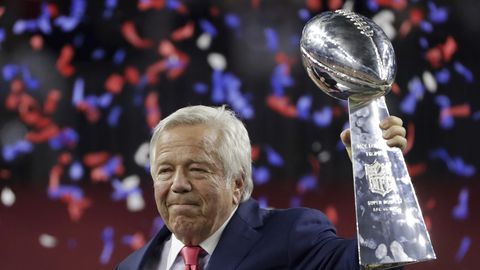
(180, 183)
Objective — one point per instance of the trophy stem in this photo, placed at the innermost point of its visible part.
(390, 226)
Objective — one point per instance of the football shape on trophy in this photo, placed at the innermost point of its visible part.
(347, 55)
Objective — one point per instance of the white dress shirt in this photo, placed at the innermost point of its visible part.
(170, 259)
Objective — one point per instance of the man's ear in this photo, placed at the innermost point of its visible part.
(238, 186)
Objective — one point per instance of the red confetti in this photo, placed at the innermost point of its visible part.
(132, 75)
(63, 63)
(394, 4)
(36, 41)
(138, 241)
(282, 105)
(51, 101)
(456, 111)
(416, 169)
(152, 4)
(255, 152)
(442, 53)
(314, 5)
(332, 214)
(335, 4)
(114, 83)
(95, 159)
(184, 32)
(131, 35)
(153, 114)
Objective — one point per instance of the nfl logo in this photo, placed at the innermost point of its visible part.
(379, 176)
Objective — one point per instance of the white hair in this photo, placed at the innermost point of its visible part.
(233, 149)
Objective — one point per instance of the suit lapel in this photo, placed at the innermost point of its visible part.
(238, 238)
(152, 251)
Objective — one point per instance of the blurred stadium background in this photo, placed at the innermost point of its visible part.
(82, 84)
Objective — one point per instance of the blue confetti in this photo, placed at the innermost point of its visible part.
(9, 71)
(218, 96)
(76, 171)
(261, 175)
(120, 193)
(104, 100)
(460, 211)
(173, 4)
(77, 11)
(271, 39)
(304, 104)
(307, 182)
(114, 116)
(280, 79)
(66, 138)
(119, 56)
(2, 35)
(455, 165)
(442, 76)
(424, 43)
(78, 89)
(108, 245)
(74, 192)
(304, 14)
(30, 82)
(11, 151)
(232, 21)
(274, 158)
(464, 71)
(200, 88)
(323, 117)
(409, 103)
(208, 27)
(437, 14)
(426, 26)
(463, 248)
(98, 54)
(110, 5)
(372, 5)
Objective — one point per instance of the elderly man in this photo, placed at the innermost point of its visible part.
(201, 169)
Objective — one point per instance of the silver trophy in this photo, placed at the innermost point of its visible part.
(349, 57)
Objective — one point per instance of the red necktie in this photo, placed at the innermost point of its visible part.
(190, 257)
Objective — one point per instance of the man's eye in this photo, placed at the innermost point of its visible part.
(196, 169)
(164, 170)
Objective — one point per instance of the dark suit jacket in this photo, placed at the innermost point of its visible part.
(257, 239)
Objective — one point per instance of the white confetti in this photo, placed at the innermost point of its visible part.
(135, 202)
(204, 41)
(429, 81)
(217, 61)
(47, 240)
(131, 182)
(385, 20)
(7, 197)
(142, 155)
(324, 156)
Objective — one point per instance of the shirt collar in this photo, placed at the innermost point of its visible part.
(208, 244)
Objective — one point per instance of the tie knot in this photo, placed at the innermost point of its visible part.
(190, 255)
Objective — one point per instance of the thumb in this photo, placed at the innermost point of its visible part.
(345, 137)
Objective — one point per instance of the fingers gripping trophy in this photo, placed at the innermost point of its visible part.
(349, 57)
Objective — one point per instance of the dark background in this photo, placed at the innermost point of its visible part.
(61, 209)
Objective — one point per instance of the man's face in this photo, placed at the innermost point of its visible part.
(191, 190)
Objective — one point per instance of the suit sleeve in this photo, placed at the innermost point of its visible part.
(314, 244)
